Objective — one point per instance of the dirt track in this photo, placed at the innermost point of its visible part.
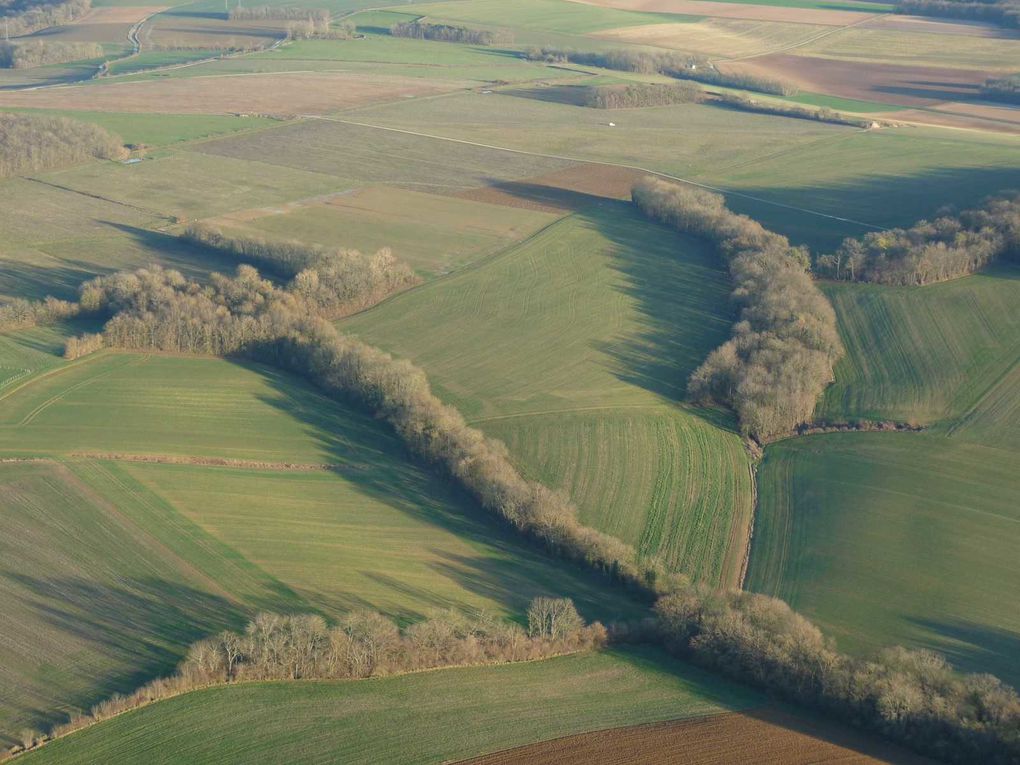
(762, 737)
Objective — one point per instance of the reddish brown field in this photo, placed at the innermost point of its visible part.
(737, 11)
(764, 737)
(560, 191)
(297, 93)
(886, 83)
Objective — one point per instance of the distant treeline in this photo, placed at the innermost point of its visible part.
(23, 314)
(948, 247)
(780, 357)
(315, 29)
(913, 697)
(35, 52)
(1005, 89)
(22, 17)
(31, 142)
(423, 30)
(638, 94)
(277, 13)
(734, 101)
(1002, 12)
(361, 644)
(682, 66)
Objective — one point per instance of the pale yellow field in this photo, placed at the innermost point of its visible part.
(718, 37)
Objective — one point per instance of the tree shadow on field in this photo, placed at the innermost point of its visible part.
(140, 627)
(974, 647)
(195, 261)
(368, 455)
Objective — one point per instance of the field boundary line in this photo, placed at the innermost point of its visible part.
(578, 160)
(69, 190)
(198, 461)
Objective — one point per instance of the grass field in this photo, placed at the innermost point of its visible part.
(718, 37)
(887, 538)
(429, 717)
(582, 377)
(434, 234)
(924, 354)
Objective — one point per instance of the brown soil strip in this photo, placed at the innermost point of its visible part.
(886, 83)
(170, 459)
(561, 191)
(766, 736)
(737, 11)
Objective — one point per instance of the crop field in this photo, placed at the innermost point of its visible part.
(718, 37)
(434, 234)
(767, 736)
(581, 378)
(923, 354)
(895, 538)
(801, 11)
(428, 717)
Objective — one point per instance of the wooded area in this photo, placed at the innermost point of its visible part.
(32, 52)
(30, 142)
(22, 17)
(423, 30)
(1003, 12)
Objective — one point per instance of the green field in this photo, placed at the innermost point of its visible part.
(582, 377)
(430, 717)
(923, 354)
(886, 538)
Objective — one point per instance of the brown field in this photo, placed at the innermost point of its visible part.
(562, 190)
(718, 37)
(898, 23)
(193, 32)
(998, 119)
(885, 83)
(124, 15)
(761, 737)
(737, 11)
(281, 93)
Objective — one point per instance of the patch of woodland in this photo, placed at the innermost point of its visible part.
(424, 30)
(22, 17)
(822, 114)
(31, 142)
(952, 245)
(359, 645)
(780, 357)
(24, 54)
(1005, 89)
(1005, 13)
(683, 66)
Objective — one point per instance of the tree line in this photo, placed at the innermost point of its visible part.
(684, 66)
(23, 314)
(948, 247)
(25, 54)
(22, 17)
(639, 94)
(823, 114)
(32, 142)
(423, 30)
(1005, 13)
(911, 697)
(780, 357)
(361, 644)
(1006, 89)
(276, 13)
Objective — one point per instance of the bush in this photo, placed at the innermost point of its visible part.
(946, 248)
(780, 357)
(421, 30)
(29, 143)
(29, 53)
(641, 94)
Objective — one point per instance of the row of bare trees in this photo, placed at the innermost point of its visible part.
(23, 314)
(361, 644)
(277, 13)
(684, 66)
(948, 247)
(640, 94)
(83, 345)
(22, 17)
(25, 54)
(424, 30)
(780, 357)
(1005, 13)
(32, 142)
(913, 697)
(823, 114)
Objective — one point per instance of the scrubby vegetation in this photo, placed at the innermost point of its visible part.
(1003, 12)
(423, 30)
(361, 644)
(638, 94)
(29, 143)
(1005, 89)
(780, 357)
(29, 53)
(76, 347)
(824, 114)
(683, 66)
(22, 17)
(22, 314)
(319, 29)
(948, 247)
(913, 697)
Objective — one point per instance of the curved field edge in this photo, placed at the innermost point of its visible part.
(426, 717)
(886, 538)
(575, 347)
